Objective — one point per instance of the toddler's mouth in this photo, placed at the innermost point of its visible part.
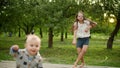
(33, 51)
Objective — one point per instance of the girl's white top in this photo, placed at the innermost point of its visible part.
(81, 29)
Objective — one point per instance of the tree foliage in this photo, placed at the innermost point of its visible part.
(56, 16)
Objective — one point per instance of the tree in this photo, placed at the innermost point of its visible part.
(113, 7)
(109, 7)
(6, 17)
(67, 10)
(26, 16)
(55, 16)
(51, 11)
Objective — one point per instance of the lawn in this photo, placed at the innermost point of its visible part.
(65, 52)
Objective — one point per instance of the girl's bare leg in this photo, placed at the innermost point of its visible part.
(82, 59)
(80, 56)
(78, 52)
(82, 63)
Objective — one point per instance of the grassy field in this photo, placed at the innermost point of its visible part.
(65, 52)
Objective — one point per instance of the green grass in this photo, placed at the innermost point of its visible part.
(65, 52)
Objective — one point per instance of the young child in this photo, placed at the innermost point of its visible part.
(81, 36)
(28, 57)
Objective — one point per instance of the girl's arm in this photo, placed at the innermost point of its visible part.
(74, 35)
(88, 28)
(92, 23)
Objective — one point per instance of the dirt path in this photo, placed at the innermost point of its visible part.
(11, 64)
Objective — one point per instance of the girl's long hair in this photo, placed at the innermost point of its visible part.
(74, 27)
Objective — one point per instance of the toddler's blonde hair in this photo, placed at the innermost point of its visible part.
(33, 37)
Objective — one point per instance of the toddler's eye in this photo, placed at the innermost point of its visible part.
(31, 45)
(36, 45)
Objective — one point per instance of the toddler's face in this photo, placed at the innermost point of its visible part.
(80, 17)
(33, 47)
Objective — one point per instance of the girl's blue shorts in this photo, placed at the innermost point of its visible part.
(82, 41)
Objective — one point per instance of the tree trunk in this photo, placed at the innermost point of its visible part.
(41, 35)
(115, 31)
(19, 32)
(62, 39)
(50, 38)
(31, 30)
(65, 35)
(28, 29)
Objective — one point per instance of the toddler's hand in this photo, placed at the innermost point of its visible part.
(15, 47)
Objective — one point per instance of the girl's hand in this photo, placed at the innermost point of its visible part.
(15, 47)
(74, 42)
(86, 30)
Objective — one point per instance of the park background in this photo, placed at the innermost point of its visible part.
(52, 21)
